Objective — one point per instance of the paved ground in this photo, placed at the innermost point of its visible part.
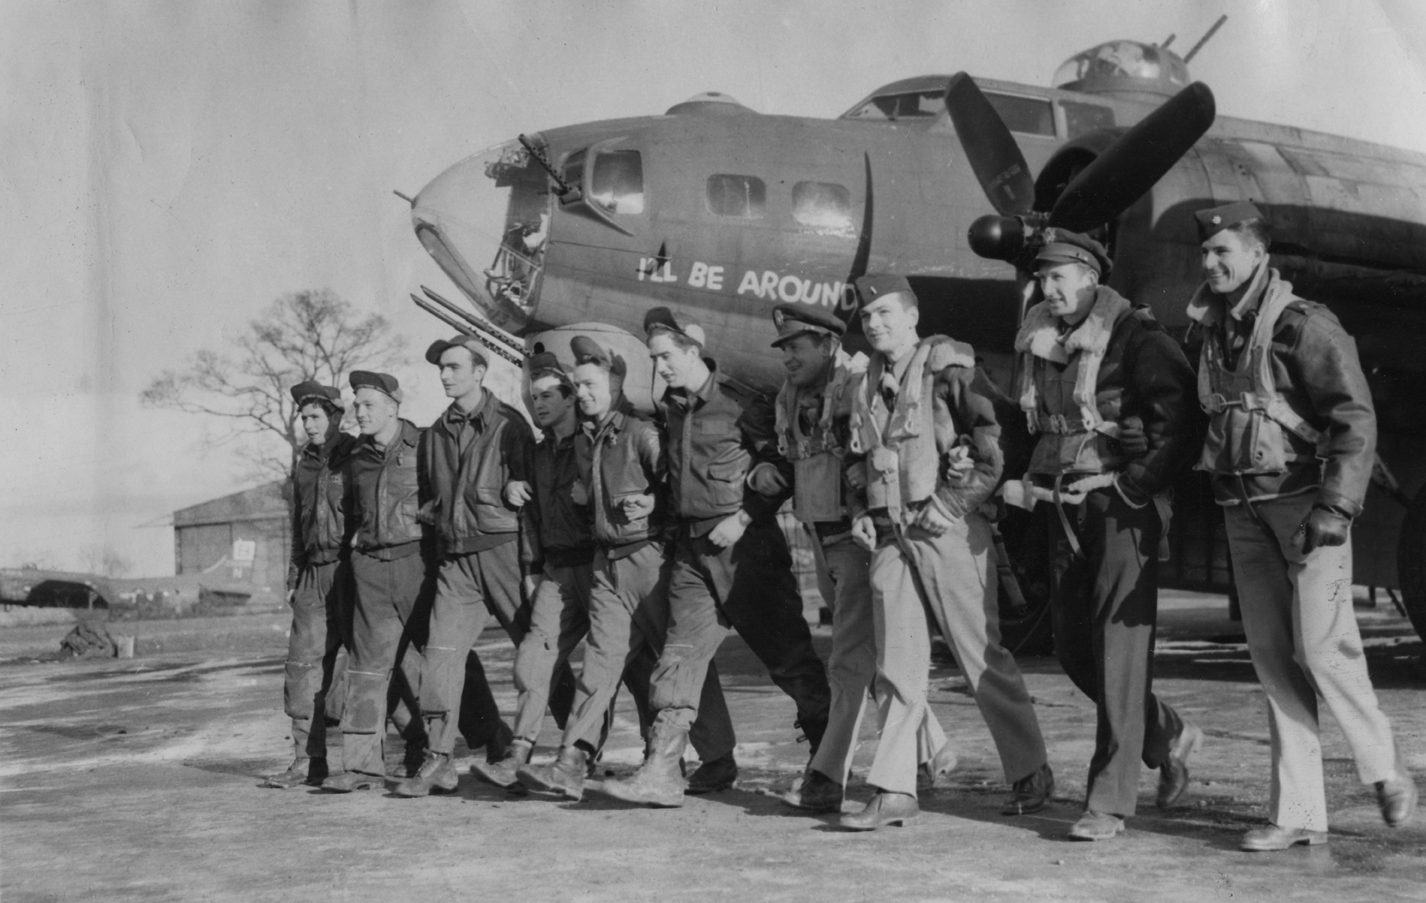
(139, 780)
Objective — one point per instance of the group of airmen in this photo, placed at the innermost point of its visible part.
(648, 537)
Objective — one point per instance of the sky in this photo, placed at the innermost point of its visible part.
(170, 168)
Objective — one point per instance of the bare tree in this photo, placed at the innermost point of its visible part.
(311, 334)
(104, 560)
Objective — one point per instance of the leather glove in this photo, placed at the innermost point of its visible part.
(1323, 527)
(1132, 439)
(766, 481)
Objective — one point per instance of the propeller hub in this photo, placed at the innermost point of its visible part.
(998, 237)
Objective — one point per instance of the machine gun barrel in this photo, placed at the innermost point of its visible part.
(473, 330)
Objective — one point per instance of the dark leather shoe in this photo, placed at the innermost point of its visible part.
(1397, 799)
(1096, 826)
(885, 808)
(1173, 774)
(302, 771)
(503, 772)
(712, 777)
(437, 773)
(1272, 838)
(1031, 793)
(347, 781)
(816, 793)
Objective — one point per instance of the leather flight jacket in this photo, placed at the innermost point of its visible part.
(1293, 412)
(1076, 388)
(716, 435)
(469, 459)
(563, 528)
(387, 490)
(319, 503)
(624, 454)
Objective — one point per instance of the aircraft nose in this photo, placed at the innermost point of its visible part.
(460, 219)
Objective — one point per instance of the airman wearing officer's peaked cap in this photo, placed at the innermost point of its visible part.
(793, 320)
(460, 340)
(873, 286)
(1216, 219)
(547, 364)
(384, 383)
(661, 319)
(588, 351)
(312, 390)
(1064, 246)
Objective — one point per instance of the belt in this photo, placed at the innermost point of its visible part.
(392, 553)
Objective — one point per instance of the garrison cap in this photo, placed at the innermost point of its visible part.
(1064, 246)
(660, 319)
(793, 320)
(1216, 219)
(588, 351)
(459, 340)
(384, 383)
(312, 390)
(874, 285)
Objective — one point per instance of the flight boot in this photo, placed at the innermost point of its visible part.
(435, 774)
(565, 777)
(503, 772)
(815, 793)
(659, 781)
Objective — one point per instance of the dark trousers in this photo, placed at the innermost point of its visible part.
(751, 588)
(1105, 605)
(470, 588)
(316, 659)
(392, 604)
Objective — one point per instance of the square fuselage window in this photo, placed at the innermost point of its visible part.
(824, 205)
(742, 197)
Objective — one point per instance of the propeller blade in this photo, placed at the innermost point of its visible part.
(1131, 165)
(991, 149)
(863, 253)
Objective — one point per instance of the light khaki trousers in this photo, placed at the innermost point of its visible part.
(1304, 642)
(953, 576)
(844, 578)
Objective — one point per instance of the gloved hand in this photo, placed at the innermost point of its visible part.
(765, 480)
(1132, 439)
(1323, 527)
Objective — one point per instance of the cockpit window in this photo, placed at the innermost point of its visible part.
(825, 205)
(737, 196)
(1026, 115)
(617, 183)
(911, 105)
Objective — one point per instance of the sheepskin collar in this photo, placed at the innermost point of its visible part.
(1040, 333)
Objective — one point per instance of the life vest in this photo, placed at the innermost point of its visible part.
(818, 493)
(1247, 416)
(903, 445)
(1062, 406)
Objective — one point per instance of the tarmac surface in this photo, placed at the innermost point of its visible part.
(141, 780)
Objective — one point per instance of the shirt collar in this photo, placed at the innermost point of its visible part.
(1248, 304)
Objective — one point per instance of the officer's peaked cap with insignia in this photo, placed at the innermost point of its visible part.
(1216, 219)
(661, 319)
(877, 285)
(588, 351)
(793, 320)
(459, 340)
(1064, 246)
(312, 390)
(384, 383)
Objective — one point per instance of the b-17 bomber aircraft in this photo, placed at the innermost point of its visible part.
(720, 212)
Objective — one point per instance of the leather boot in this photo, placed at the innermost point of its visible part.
(436, 773)
(502, 772)
(302, 771)
(659, 781)
(711, 777)
(565, 777)
(816, 793)
(886, 808)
